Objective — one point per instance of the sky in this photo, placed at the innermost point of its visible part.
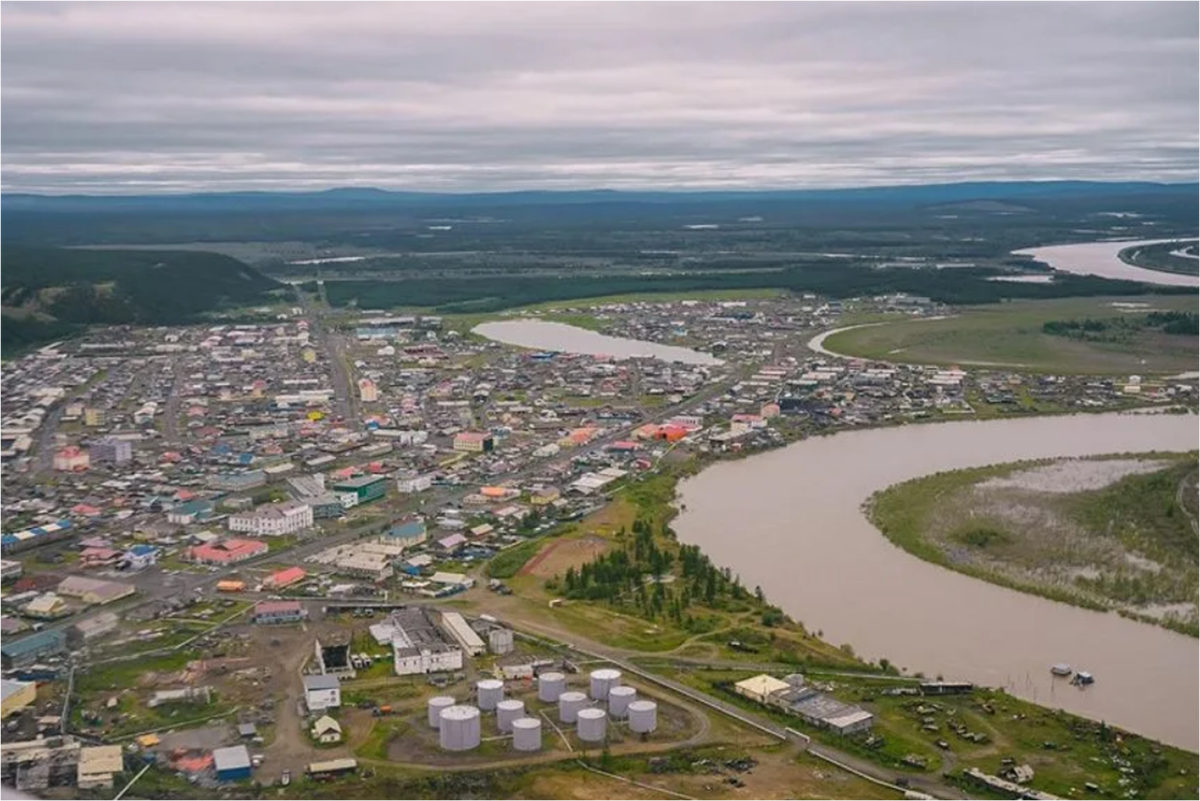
(148, 97)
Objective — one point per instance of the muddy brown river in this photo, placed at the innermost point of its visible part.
(791, 521)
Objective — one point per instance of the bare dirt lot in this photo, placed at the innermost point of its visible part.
(555, 559)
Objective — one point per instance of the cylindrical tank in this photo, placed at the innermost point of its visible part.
(550, 686)
(460, 728)
(490, 692)
(619, 699)
(569, 704)
(435, 707)
(643, 716)
(527, 734)
(604, 680)
(592, 725)
(500, 641)
(507, 711)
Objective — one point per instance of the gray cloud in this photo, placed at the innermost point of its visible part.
(103, 97)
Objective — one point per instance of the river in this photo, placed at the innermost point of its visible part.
(1100, 258)
(791, 521)
(545, 335)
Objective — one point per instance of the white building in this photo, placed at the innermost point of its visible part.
(418, 646)
(456, 626)
(367, 390)
(322, 692)
(411, 484)
(273, 520)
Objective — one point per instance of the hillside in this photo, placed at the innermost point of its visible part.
(48, 292)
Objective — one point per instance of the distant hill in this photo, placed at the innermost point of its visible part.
(48, 293)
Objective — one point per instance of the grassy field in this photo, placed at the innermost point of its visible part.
(1126, 542)
(1010, 335)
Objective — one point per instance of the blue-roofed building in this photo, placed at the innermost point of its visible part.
(38, 535)
(140, 557)
(407, 532)
(28, 650)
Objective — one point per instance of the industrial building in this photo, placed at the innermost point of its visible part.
(365, 488)
(278, 612)
(418, 645)
(792, 695)
(333, 656)
(456, 626)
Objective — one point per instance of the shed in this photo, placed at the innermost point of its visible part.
(232, 763)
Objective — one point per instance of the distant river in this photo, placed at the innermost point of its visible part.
(1100, 258)
(791, 521)
(565, 338)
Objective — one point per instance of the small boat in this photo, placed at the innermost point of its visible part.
(1061, 669)
(1082, 679)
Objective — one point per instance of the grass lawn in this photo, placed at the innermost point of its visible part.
(1010, 335)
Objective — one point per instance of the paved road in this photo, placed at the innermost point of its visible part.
(320, 334)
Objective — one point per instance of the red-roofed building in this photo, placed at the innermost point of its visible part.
(86, 510)
(227, 552)
(285, 578)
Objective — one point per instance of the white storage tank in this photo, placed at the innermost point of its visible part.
(569, 704)
(550, 686)
(592, 725)
(500, 641)
(527, 734)
(619, 699)
(643, 716)
(507, 711)
(460, 729)
(604, 680)
(435, 707)
(490, 692)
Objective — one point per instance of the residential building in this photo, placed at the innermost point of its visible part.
(474, 442)
(97, 766)
(273, 520)
(408, 532)
(544, 496)
(29, 650)
(226, 552)
(414, 483)
(322, 692)
(370, 565)
(232, 763)
(326, 730)
(456, 626)
(16, 695)
(71, 459)
(365, 488)
(183, 514)
(140, 557)
(10, 571)
(278, 612)
(47, 606)
(112, 450)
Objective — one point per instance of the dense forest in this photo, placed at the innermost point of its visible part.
(48, 293)
(1121, 329)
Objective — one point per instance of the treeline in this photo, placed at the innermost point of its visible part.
(964, 286)
(1117, 329)
(84, 287)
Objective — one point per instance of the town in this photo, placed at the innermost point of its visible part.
(305, 500)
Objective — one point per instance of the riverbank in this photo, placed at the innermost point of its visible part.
(1106, 534)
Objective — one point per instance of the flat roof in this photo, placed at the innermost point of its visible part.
(762, 685)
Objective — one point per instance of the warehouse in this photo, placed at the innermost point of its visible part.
(418, 646)
(464, 635)
(278, 612)
(28, 650)
(761, 689)
(94, 591)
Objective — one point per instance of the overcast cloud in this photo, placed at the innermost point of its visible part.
(141, 97)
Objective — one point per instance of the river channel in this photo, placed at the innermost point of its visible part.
(791, 521)
(1102, 259)
(551, 336)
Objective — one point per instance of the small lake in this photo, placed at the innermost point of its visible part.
(1100, 258)
(791, 522)
(546, 335)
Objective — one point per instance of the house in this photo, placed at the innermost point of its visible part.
(364, 488)
(284, 578)
(227, 552)
(98, 557)
(16, 695)
(191, 512)
(29, 650)
(140, 557)
(46, 607)
(544, 496)
(474, 442)
(94, 591)
(278, 612)
(10, 571)
(407, 532)
(326, 730)
(273, 520)
(370, 565)
(71, 460)
(322, 692)
(452, 544)
(367, 390)
(97, 766)
(92, 627)
(232, 764)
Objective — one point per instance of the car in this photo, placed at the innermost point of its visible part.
(286, 778)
